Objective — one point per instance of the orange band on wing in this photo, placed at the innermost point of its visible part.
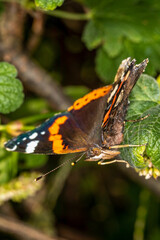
(54, 129)
(57, 139)
(100, 92)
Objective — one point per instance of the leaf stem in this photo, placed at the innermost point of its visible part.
(36, 118)
(69, 15)
(27, 128)
(140, 222)
(55, 13)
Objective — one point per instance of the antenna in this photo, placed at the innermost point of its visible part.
(72, 163)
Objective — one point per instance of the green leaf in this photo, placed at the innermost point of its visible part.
(92, 35)
(146, 89)
(48, 4)
(123, 29)
(143, 102)
(11, 90)
(144, 96)
(7, 70)
(106, 67)
(113, 46)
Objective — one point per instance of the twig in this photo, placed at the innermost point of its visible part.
(11, 226)
(36, 31)
(39, 81)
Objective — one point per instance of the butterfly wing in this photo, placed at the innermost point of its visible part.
(95, 119)
(88, 112)
(113, 122)
(60, 134)
(73, 131)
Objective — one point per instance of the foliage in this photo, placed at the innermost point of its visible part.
(144, 101)
(8, 165)
(19, 188)
(48, 4)
(102, 200)
(11, 95)
(76, 92)
(121, 29)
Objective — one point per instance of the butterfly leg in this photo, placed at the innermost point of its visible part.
(137, 120)
(127, 145)
(103, 154)
(103, 162)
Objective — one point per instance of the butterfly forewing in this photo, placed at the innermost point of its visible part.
(60, 134)
(73, 131)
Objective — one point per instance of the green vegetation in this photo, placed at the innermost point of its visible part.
(11, 95)
(52, 58)
(48, 4)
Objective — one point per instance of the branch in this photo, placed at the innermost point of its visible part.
(38, 80)
(37, 30)
(13, 227)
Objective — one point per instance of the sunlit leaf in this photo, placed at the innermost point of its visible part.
(11, 90)
(143, 102)
(48, 4)
(123, 29)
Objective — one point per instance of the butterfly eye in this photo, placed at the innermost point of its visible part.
(90, 153)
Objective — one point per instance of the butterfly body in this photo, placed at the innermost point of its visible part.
(92, 124)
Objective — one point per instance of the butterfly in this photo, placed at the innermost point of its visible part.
(94, 124)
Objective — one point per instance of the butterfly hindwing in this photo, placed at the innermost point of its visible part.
(113, 123)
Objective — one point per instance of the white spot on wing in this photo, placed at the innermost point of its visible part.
(31, 146)
(42, 133)
(12, 149)
(33, 136)
(24, 139)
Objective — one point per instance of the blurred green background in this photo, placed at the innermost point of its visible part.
(79, 47)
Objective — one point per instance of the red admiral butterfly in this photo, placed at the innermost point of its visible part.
(93, 124)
